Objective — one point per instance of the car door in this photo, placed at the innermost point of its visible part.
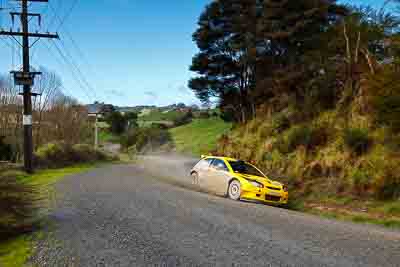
(202, 169)
(217, 177)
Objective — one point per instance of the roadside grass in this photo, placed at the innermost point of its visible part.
(199, 136)
(363, 219)
(347, 208)
(16, 252)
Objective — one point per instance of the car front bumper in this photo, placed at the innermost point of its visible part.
(264, 195)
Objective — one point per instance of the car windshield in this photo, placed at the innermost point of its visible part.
(245, 168)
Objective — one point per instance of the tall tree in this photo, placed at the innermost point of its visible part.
(291, 45)
(226, 62)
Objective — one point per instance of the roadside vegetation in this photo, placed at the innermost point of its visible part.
(316, 105)
(63, 139)
(173, 128)
(25, 201)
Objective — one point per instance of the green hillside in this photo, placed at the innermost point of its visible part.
(200, 136)
(158, 115)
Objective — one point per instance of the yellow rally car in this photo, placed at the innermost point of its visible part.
(237, 179)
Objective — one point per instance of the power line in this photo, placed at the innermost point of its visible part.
(68, 64)
(69, 56)
(72, 71)
(52, 20)
(62, 21)
(68, 34)
(75, 46)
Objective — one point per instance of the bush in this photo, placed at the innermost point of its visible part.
(117, 121)
(152, 137)
(5, 151)
(18, 204)
(357, 140)
(280, 123)
(55, 155)
(299, 136)
(204, 114)
(360, 181)
(182, 120)
(384, 90)
(132, 152)
(51, 155)
(388, 111)
(86, 153)
(387, 183)
(227, 115)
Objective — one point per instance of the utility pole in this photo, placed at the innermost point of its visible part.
(25, 77)
(96, 129)
(96, 133)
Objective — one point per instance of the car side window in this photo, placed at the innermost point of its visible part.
(204, 163)
(219, 164)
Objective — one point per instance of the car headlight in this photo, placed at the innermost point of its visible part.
(257, 184)
(285, 188)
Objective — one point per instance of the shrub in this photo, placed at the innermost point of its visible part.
(384, 90)
(227, 115)
(185, 119)
(319, 136)
(388, 111)
(152, 137)
(387, 184)
(86, 153)
(280, 123)
(360, 181)
(52, 155)
(117, 121)
(18, 204)
(132, 152)
(204, 114)
(299, 136)
(357, 140)
(5, 150)
(56, 155)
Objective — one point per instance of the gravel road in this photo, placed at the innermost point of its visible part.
(121, 215)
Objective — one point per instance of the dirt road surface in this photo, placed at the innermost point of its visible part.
(144, 215)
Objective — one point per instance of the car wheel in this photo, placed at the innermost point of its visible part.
(234, 190)
(195, 178)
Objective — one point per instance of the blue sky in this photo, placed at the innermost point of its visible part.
(131, 52)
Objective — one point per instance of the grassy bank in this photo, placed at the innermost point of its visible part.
(336, 168)
(200, 136)
(16, 252)
(350, 209)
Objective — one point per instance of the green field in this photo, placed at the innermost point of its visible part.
(157, 115)
(200, 136)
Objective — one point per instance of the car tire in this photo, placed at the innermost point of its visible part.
(234, 190)
(195, 178)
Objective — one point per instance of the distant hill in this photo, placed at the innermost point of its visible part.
(147, 108)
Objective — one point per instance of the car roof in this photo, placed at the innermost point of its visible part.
(215, 157)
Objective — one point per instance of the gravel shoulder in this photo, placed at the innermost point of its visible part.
(124, 215)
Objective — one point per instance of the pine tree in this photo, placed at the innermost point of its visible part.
(226, 62)
(291, 42)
